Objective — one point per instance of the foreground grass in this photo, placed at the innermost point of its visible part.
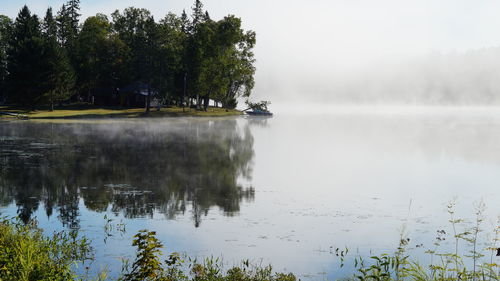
(26, 254)
(85, 112)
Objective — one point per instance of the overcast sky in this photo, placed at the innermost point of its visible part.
(316, 38)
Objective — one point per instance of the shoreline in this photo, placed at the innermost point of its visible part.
(91, 112)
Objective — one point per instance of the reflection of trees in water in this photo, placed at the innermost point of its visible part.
(260, 121)
(135, 168)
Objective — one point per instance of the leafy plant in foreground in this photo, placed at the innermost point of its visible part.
(27, 254)
(148, 266)
(455, 265)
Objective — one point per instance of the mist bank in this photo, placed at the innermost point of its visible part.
(453, 78)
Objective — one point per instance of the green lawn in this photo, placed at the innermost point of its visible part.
(82, 112)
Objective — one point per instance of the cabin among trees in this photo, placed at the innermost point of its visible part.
(127, 59)
(136, 94)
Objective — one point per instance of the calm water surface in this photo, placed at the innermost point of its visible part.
(284, 190)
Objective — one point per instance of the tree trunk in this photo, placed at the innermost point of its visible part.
(206, 101)
(148, 100)
(51, 102)
(184, 91)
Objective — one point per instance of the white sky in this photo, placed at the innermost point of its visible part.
(313, 38)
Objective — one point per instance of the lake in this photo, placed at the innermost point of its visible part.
(286, 190)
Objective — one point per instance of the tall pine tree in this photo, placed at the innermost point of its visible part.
(68, 19)
(198, 14)
(25, 60)
(5, 27)
(59, 76)
(73, 8)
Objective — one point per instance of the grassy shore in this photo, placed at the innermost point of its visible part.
(87, 111)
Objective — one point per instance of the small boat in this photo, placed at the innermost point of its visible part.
(258, 109)
(257, 112)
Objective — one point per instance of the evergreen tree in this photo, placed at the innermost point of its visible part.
(181, 78)
(178, 57)
(68, 19)
(194, 53)
(198, 14)
(73, 8)
(25, 60)
(5, 28)
(185, 23)
(67, 33)
(59, 76)
(63, 25)
(49, 25)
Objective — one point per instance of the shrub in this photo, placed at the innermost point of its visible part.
(148, 267)
(26, 254)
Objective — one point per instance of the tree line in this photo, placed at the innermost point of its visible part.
(185, 60)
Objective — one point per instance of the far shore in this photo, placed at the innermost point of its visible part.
(96, 112)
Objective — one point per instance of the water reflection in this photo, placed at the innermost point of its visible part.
(134, 168)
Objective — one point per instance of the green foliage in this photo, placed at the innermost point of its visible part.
(102, 56)
(67, 23)
(59, 76)
(25, 60)
(211, 270)
(26, 254)
(180, 60)
(454, 265)
(38, 67)
(262, 105)
(220, 59)
(148, 267)
(5, 29)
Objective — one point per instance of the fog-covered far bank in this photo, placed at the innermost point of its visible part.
(310, 108)
(437, 78)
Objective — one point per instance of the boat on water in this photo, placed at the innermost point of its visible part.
(258, 109)
(257, 112)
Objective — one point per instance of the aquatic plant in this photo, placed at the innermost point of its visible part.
(148, 266)
(450, 265)
(111, 227)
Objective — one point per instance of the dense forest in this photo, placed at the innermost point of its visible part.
(129, 59)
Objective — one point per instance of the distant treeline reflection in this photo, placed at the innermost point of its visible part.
(135, 168)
